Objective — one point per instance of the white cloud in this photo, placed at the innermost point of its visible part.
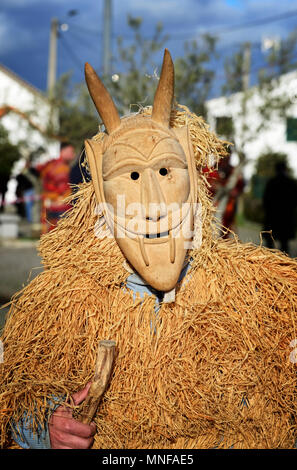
(11, 35)
(177, 12)
(5, 36)
(228, 16)
(157, 8)
(22, 3)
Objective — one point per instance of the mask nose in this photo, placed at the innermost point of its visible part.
(152, 198)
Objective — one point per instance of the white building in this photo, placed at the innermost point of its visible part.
(254, 134)
(25, 112)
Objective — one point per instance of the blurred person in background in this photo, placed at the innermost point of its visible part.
(28, 192)
(55, 176)
(226, 185)
(280, 203)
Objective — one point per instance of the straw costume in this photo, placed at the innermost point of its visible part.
(205, 334)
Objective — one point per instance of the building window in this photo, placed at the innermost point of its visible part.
(291, 129)
(224, 126)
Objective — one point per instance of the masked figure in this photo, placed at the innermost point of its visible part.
(204, 326)
(144, 179)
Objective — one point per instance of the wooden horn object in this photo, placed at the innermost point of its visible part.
(103, 368)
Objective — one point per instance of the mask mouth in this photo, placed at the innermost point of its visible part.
(145, 232)
(149, 230)
(165, 237)
(153, 236)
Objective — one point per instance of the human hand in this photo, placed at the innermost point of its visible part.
(68, 433)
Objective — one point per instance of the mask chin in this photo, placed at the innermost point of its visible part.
(153, 263)
(158, 260)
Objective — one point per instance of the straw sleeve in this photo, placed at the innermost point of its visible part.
(23, 434)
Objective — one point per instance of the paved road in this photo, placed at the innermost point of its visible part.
(19, 263)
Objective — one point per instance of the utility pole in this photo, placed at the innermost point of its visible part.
(52, 60)
(107, 37)
(246, 66)
(246, 70)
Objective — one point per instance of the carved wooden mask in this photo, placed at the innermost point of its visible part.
(145, 181)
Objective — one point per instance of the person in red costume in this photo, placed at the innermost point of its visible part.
(55, 187)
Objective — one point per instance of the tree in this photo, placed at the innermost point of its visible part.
(234, 71)
(77, 117)
(271, 101)
(133, 84)
(140, 71)
(137, 68)
(280, 60)
(193, 75)
(237, 68)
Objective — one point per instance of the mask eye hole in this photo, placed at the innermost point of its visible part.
(163, 171)
(134, 175)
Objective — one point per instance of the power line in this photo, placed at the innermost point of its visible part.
(191, 36)
(74, 57)
(82, 29)
(259, 67)
(77, 37)
(230, 28)
(78, 30)
(217, 30)
(247, 24)
(252, 23)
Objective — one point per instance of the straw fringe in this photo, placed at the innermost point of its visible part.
(211, 370)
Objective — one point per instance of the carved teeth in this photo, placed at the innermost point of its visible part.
(156, 235)
(142, 249)
(172, 247)
(171, 241)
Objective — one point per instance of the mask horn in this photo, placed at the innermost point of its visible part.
(165, 92)
(102, 100)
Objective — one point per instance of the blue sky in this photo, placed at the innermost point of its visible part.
(25, 26)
